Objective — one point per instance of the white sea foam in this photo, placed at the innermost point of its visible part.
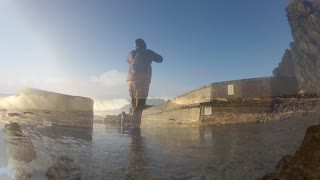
(8, 102)
(6, 174)
(109, 104)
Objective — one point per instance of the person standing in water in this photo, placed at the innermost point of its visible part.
(139, 77)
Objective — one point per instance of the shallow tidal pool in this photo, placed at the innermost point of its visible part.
(242, 151)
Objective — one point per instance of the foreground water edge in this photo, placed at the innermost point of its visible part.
(222, 152)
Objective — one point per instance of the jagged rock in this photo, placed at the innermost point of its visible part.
(28, 113)
(112, 119)
(14, 115)
(20, 150)
(121, 119)
(20, 146)
(63, 168)
(305, 164)
(302, 61)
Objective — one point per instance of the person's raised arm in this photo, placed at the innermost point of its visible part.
(155, 56)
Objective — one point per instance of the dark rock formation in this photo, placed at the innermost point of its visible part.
(112, 119)
(305, 164)
(14, 115)
(20, 150)
(302, 61)
(20, 146)
(63, 168)
(316, 3)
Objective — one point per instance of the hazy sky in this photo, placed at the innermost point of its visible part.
(80, 46)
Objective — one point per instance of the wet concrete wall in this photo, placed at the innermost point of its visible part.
(254, 96)
(188, 115)
(200, 95)
(45, 100)
(255, 88)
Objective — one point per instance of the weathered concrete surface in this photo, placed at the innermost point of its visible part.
(305, 164)
(255, 88)
(45, 100)
(258, 110)
(182, 116)
(231, 111)
(222, 101)
(200, 95)
(302, 61)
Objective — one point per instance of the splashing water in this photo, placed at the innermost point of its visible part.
(6, 174)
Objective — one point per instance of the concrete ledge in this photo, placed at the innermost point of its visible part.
(188, 115)
(38, 99)
(49, 108)
(233, 99)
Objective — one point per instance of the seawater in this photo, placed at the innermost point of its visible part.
(5, 173)
(242, 151)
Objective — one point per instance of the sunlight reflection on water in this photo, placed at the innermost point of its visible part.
(222, 152)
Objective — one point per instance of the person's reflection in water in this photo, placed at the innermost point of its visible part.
(137, 158)
(202, 134)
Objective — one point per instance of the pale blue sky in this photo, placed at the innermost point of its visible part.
(80, 46)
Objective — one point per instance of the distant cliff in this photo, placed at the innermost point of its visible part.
(303, 59)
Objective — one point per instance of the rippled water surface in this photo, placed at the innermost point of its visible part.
(240, 151)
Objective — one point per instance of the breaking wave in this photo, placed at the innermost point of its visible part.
(6, 174)
(109, 104)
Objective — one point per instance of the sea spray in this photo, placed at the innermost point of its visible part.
(6, 174)
(9, 101)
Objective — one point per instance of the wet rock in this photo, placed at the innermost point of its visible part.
(302, 61)
(305, 164)
(28, 113)
(20, 150)
(20, 146)
(63, 168)
(112, 119)
(259, 121)
(14, 115)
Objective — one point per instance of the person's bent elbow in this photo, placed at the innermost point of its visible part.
(159, 59)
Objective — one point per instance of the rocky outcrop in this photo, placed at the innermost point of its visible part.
(63, 168)
(20, 151)
(302, 61)
(316, 3)
(305, 164)
(20, 146)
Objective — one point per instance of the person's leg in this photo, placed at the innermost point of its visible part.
(142, 94)
(133, 96)
(142, 90)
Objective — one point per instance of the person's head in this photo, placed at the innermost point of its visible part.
(139, 43)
